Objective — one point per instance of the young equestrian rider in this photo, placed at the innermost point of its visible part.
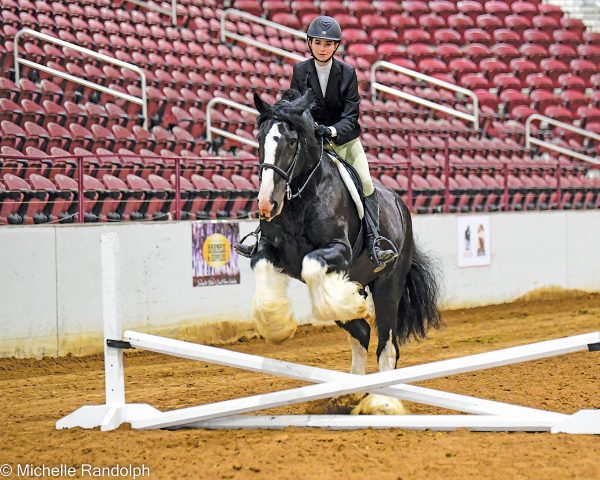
(336, 111)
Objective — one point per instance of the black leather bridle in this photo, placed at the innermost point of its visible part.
(289, 174)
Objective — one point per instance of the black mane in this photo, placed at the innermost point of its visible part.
(294, 109)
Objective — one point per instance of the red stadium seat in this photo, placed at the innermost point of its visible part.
(526, 9)
(505, 51)
(431, 22)
(541, 99)
(589, 52)
(416, 35)
(569, 81)
(522, 67)
(36, 136)
(470, 8)
(59, 136)
(489, 22)
(537, 37)
(539, 81)
(512, 98)
(477, 52)
(518, 23)
(503, 35)
(477, 35)
(545, 23)
(582, 68)
(33, 203)
(447, 35)
(533, 52)
(460, 22)
(12, 135)
(505, 81)
(82, 137)
(448, 51)
(573, 99)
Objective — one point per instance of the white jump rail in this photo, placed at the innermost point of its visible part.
(529, 139)
(376, 86)
(143, 100)
(210, 129)
(225, 34)
(172, 12)
(493, 416)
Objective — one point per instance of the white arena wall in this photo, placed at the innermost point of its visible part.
(50, 277)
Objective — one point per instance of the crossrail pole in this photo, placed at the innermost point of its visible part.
(416, 373)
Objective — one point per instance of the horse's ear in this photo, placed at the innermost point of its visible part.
(261, 105)
(307, 100)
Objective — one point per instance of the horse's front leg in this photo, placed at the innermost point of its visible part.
(334, 296)
(271, 307)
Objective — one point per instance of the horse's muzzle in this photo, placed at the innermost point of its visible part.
(265, 208)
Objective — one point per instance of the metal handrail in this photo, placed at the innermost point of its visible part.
(250, 41)
(552, 146)
(172, 12)
(224, 133)
(421, 101)
(143, 100)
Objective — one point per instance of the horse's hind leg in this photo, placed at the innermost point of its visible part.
(386, 297)
(359, 334)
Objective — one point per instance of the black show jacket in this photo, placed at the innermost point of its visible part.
(339, 108)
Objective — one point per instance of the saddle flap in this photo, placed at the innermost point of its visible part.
(352, 182)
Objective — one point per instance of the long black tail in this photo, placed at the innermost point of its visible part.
(418, 309)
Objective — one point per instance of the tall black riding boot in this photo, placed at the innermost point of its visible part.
(248, 250)
(379, 257)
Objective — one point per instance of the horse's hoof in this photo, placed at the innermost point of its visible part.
(277, 332)
(342, 405)
(374, 404)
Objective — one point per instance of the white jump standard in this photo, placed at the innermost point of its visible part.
(488, 415)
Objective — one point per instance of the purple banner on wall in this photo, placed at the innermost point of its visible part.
(214, 260)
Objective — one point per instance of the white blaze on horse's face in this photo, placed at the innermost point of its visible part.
(267, 183)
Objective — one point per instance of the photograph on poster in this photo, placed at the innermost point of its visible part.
(473, 241)
(214, 261)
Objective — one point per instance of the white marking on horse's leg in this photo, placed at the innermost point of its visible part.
(333, 295)
(387, 359)
(359, 357)
(267, 183)
(374, 404)
(271, 307)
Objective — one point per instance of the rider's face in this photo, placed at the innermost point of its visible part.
(323, 49)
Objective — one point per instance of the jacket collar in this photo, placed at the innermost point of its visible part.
(335, 77)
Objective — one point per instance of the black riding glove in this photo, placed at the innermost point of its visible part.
(323, 131)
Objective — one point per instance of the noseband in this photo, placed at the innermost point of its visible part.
(288, 175)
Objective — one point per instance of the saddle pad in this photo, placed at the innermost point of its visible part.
(350, 178)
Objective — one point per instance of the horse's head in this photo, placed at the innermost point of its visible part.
(286, 139)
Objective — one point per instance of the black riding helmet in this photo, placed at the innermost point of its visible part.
(326, 28)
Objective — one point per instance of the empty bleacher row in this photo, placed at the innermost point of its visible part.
(493, 49)
(188, 68)
(131, 187)
(124, 187)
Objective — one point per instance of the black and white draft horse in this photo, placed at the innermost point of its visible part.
(310, 230)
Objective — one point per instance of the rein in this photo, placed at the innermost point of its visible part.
(288, 175)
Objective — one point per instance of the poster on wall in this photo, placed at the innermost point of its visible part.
(214, 261)
(474, 241)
